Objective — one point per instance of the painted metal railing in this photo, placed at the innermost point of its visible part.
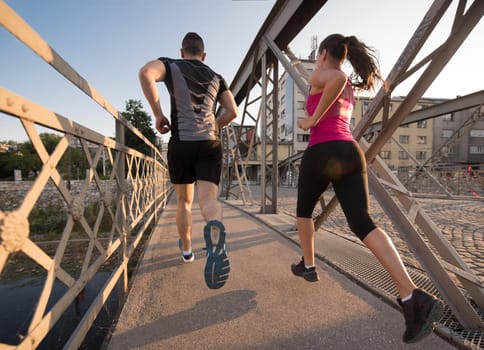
(127, 203)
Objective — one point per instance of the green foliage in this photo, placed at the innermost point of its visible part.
(48, 222)
(50, 141)
(23, 156)
(73, 164)
(135, 114)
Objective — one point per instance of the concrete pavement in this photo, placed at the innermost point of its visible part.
(262, 306)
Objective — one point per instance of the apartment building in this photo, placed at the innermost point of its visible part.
(410, 145)
(459, 137)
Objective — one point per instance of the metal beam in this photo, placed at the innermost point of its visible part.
(283, 23)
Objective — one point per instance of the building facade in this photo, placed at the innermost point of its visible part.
(459, 138)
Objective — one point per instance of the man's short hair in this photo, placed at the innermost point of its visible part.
(192, 44)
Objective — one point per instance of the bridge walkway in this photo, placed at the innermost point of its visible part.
(262, 306)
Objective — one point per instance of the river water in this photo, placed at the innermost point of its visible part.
(17, 304)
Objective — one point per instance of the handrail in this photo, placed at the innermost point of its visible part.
(128, 202)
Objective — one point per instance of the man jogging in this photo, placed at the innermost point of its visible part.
(194, 149)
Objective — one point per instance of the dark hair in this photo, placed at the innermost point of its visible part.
(362, 58)
(192, 44)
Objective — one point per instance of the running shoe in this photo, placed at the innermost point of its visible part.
(300, 270)
(187, 258)
(217, 267)
(420, 313)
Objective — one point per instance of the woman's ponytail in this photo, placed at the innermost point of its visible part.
(364, 62)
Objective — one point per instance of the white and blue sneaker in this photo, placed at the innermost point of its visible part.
(217, 267)
(187, 258)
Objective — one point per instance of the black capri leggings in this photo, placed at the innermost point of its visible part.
(343, 164)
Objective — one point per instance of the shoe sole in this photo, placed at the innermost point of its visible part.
(217, 267)
(434, 315)
(311, 278)
(186, 261)
(307, 277)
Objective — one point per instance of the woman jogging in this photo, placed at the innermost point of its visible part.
(333, 156)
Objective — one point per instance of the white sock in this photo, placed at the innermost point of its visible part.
(308, 266)
(407, 298)
(187, 252)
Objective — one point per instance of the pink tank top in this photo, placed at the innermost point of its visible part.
(335, 124)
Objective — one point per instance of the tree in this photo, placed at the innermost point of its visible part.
(50, 141)
(135, 114)
(23, 157)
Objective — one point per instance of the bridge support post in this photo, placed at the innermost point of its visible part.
(121, 211)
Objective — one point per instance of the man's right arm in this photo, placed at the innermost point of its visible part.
(151, 73)
(229, 108)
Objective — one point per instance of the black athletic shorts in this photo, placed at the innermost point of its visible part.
(343, 164)
(189, 161)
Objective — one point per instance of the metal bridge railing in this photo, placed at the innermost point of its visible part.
(125, 204)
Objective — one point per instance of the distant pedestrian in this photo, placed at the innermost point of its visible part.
(194, 149)
(333, 156)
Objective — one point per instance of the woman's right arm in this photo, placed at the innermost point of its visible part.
(334, 83)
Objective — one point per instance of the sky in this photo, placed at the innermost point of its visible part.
(107, 41)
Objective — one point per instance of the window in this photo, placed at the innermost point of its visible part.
(402, 155)
(447, 150)
(421, 140)
(476, 149)
(446, 133)
(422, 124)
(448, 117)
(421, 155)
(302, 137)
(404, 139)
(386, 154)
(477, 133)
